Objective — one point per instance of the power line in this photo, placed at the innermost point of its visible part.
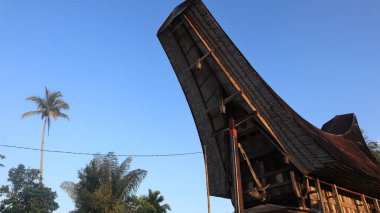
(88, 153)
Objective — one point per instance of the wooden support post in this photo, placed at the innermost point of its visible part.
(336, 198)
(376, 204)
(294, 184)
(320, 196)
(365, 205)
(296, 189)
(208, 190)
(239, 207)
(305, 192)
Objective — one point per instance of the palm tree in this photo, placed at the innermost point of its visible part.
(48, 107)
(155, 199)
(105, 185)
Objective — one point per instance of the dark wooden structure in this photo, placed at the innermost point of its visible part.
(260, 153)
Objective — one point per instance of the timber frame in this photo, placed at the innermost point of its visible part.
(258, 151)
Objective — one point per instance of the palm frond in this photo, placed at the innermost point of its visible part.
(60, 104)
(166, 207)
(126, 164)
(70, 188)
(41, 103)
(53, 96)
(30, 113)
(63, 115)
(132, 182)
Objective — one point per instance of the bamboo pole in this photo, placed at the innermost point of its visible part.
(207, 186)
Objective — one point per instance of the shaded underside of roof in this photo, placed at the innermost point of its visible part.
(191, 35)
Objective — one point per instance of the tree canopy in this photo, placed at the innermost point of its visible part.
(25, 194)
(155, 199)
(374, 147)
(105, 185)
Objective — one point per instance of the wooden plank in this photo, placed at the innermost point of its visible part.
(320, 196)
(365, 205)
(336, 198)
(376, 204)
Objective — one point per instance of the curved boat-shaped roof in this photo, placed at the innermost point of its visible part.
(191, 36)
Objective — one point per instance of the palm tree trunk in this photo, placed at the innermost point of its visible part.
(42, 150)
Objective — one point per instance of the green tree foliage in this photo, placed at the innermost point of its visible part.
(105, 186)
(48, 107)
(139, 205)
(374, 147)
(155, 199)
(25, 194)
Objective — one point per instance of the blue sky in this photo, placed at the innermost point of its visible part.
(322, 57)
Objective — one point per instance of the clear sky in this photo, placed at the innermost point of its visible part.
(322, 57)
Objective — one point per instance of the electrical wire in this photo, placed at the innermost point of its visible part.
(94, 154)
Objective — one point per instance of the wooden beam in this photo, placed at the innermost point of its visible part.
(207, 186)
(336, 198)
(294, 184)
(238, 122)
(376, 204)
(198, 61)
(365, 205)
(320, 196)
(225, 101)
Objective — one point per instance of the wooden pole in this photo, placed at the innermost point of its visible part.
(207, 186)
(376, 204)
(320, 196)
(336, 197)
(365, 205)
(239, 207)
